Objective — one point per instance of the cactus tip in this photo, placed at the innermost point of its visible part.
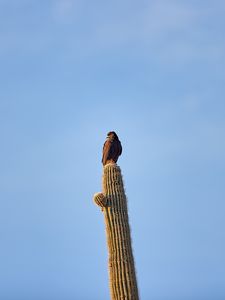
(100, 200)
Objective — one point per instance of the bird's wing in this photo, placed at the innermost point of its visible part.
(117, 150)
(120, 148)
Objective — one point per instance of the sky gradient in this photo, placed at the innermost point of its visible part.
(153, 71)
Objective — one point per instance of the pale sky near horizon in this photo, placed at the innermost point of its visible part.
(153, 71)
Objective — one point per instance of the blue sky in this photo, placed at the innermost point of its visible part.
(153, 71)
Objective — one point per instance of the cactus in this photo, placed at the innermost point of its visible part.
(113, 202)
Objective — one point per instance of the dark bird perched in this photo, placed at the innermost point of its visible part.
(112, 148)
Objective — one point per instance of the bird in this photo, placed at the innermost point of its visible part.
(112, 148)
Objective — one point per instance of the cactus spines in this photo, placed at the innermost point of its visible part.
(100, 200)
(122, 277)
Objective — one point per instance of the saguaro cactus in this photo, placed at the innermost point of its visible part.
(112, 200)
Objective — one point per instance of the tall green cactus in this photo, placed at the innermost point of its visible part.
(122, 277)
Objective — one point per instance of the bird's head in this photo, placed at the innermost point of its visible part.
(112, 135)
